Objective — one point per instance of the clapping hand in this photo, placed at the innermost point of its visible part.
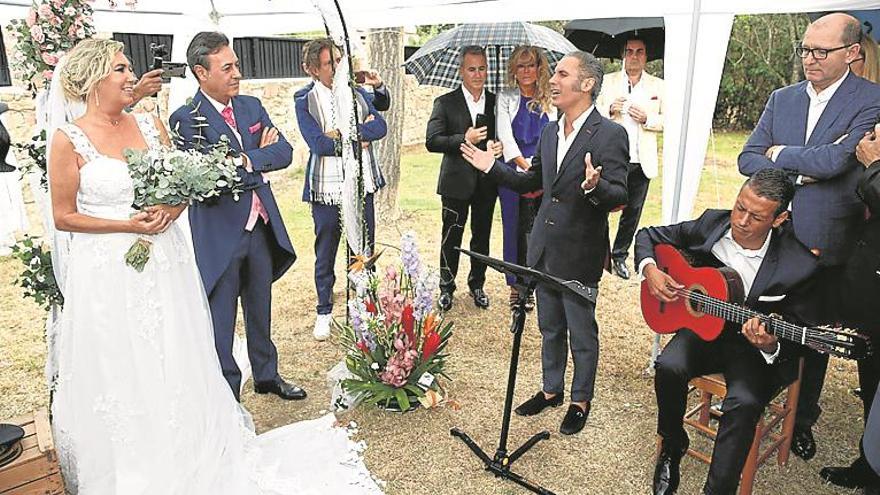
(481, 160)
(591, 174)
(637, 114)
(476, 135)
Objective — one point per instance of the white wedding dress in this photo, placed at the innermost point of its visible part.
(140, 404)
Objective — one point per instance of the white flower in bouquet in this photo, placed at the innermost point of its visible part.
(173, 177)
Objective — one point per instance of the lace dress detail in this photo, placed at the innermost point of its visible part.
(140, 405)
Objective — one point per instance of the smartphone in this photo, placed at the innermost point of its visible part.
(360, 76)
(480, 121)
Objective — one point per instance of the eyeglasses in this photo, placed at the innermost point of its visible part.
(818, 53)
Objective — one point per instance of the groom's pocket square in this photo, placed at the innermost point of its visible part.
(255, 128)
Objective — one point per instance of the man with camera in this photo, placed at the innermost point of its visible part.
(466, 114)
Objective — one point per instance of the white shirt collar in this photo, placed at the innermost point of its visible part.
(576, 124)
(216, 104)
(827, 93)
(750, 253)
(468, 97)
(323, 89)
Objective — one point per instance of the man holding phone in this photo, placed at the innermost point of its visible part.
(466, 114)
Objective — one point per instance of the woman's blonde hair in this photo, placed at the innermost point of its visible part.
(869, 51)
(542, 92)
(87, 63)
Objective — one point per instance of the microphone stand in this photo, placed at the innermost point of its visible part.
(500, 463)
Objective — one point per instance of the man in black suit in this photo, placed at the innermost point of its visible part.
(582, 162)
(756, 240)
(464, 115)
(854, 295)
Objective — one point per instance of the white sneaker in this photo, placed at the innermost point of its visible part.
(322, 327)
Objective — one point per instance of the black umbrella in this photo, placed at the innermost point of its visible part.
(605, 37)
(5, 141)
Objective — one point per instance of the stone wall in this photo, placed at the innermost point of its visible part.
(276, 95)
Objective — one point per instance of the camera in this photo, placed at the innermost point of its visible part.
(170, 69)
(360, 76)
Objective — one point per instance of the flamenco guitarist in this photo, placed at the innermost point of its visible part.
(757, 241)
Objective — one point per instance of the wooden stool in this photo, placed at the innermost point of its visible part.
(773, 429)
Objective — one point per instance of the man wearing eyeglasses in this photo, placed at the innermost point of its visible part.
(810, 130)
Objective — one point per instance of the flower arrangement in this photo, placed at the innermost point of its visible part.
(395, 343)
(36, 156)
(37, 279)
(50, 30)
(175, 176)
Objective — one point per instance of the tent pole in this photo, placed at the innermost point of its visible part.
(686, 109)
(682, 143)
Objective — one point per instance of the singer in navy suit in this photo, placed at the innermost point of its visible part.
(241, 245)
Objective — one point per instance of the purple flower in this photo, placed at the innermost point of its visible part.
(409, 254)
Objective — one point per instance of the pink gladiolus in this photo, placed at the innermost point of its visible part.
(37, 33)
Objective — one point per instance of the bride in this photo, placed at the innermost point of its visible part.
(140, 404)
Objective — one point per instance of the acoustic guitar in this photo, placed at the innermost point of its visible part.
(713, 296)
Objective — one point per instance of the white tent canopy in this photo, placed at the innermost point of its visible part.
(697, 33)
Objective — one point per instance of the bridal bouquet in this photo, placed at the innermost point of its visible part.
(173, 177)
(395, 343)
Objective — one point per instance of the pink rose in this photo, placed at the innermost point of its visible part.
(49, 59)
(71, 31)
(37, 33)
(31, 17)
(55, 20)
(45, 10)
(47, 74)
(59, 3)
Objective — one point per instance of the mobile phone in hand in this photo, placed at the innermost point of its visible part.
(360, 76)
(480, 121)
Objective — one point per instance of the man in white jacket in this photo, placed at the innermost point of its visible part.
(633, 98)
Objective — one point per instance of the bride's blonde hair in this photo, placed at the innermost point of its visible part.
(90, 61)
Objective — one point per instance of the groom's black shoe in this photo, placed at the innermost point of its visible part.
(538, 403)
(279, 387)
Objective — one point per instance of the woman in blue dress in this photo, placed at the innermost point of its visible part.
(521, 113)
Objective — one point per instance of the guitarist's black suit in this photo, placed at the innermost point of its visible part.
(783, 286)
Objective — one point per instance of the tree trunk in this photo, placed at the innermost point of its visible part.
(386, 57)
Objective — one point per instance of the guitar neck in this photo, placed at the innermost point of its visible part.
(738, 314)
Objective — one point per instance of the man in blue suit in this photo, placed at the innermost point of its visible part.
(811, 130)
(241, 244)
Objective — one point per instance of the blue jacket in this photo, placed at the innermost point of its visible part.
(306, 104)
(825, 214)
(218, 224)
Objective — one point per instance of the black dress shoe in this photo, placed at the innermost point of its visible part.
(802, 443)
(481, 300)
(537, 404)
(279, 387)
(856, 475)
(667, 472)
(574, 420)
(619, 268)
(445, 301)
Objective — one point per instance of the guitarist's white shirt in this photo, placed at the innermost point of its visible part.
(746, 262)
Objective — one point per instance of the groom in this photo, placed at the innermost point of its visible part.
(241, 245)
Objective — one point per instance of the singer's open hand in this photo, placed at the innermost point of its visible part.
(591, 173)
(481, 160)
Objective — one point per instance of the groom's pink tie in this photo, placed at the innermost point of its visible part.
(257, 208)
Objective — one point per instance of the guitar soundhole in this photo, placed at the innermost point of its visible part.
(695, 307)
